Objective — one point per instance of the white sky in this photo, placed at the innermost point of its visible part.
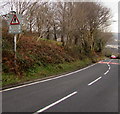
(112, 4)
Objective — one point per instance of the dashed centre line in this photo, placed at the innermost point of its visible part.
(108, 67)
(104, 73)
(94, 81)
(51, 105)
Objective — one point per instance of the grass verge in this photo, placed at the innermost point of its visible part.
(39, 72)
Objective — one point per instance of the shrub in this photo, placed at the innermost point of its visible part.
(31, 52)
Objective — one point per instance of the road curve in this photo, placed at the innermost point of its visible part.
(93, 89)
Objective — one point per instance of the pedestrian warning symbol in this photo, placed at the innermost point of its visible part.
(14, 21)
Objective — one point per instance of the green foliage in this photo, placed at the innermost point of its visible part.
(42, 72)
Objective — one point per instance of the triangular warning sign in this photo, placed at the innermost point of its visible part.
(14, 21)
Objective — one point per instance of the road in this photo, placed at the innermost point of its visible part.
(92, 89)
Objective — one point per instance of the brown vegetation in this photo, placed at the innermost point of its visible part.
(82, 28)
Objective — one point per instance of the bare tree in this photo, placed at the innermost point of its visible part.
(77, 24)
(97, 17)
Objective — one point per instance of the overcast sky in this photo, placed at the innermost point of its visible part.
(112, 4)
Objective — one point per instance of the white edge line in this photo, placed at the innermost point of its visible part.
(47, 107)
(94, 81)
(47, 79)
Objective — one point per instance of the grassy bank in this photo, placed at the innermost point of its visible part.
(39, 72)
(38, 59)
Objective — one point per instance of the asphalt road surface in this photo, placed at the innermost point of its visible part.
(91, 89)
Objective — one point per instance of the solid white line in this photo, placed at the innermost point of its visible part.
(94, 81)
(47, 79)
(47, 107)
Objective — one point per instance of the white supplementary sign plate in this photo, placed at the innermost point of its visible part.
(16, 29)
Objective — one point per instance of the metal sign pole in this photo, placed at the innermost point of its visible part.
(15, 41)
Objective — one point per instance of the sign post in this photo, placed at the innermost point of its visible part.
(15, 23)
(15, 45)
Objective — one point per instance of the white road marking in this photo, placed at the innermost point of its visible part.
(94, 81)
(47, 79)
(106, 72)
(109, 67)
(49, 106)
